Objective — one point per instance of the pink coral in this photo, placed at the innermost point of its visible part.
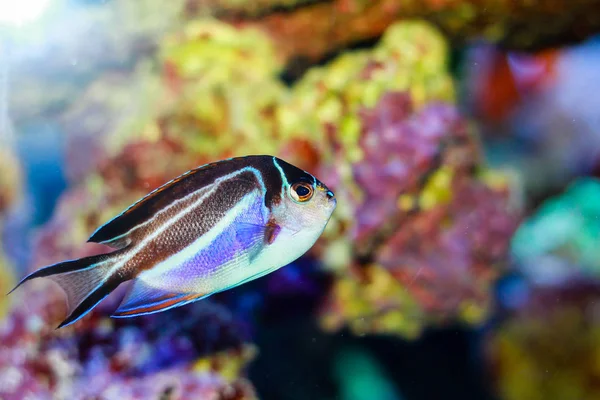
(424, 214)
(107, 358)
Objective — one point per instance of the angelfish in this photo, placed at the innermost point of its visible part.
(211, 229)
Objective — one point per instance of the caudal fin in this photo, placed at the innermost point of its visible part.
(86, 282)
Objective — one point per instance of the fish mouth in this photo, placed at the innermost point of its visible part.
(330, 195)
(331, 198)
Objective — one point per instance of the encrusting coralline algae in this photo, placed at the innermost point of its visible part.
(441, 220)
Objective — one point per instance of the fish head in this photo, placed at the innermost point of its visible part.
(306, 203)
(310, 204)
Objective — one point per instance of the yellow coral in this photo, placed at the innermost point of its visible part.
(406, 202)
(552, 357)
(10, 177)
(10, 181)
(7, 281)
(229, 364)
(411, 56)
(438, 189)
(380, 304)
(229, 87)
(474, 312)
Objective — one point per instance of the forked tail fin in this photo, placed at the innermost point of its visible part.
(86, 281)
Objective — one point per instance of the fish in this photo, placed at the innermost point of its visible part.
(211, 229)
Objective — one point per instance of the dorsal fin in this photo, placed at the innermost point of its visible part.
(115, 232)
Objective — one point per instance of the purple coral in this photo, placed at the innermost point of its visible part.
(401, 148)
(426, 216)
(451, 255)
(99, 357)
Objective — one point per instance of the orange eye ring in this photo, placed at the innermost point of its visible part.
(302, 192)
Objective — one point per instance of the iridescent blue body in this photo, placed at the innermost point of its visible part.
(211, 229)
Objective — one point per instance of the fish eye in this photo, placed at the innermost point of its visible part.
(301, 191)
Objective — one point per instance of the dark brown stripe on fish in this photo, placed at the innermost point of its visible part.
(196, 222)
(186, 184)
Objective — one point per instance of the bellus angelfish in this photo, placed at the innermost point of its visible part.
(209, 230)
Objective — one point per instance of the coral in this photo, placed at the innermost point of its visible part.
(335, 24)
(560, 240)
(555, 332)
(549, 348)
(10, 178)
(428, 234)
(214, 90)
(6, 282)
(329, 25)
(303, 31)
(197, 351)
(237, 106)
(10, 191)
(225, 81)
(410, 57)
(253, 9)
(204, 110)
(421, 228)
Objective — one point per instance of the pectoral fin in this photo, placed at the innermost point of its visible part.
(254, 236)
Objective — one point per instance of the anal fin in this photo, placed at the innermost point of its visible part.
(143, 299)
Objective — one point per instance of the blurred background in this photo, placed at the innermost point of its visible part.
(461, 137)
